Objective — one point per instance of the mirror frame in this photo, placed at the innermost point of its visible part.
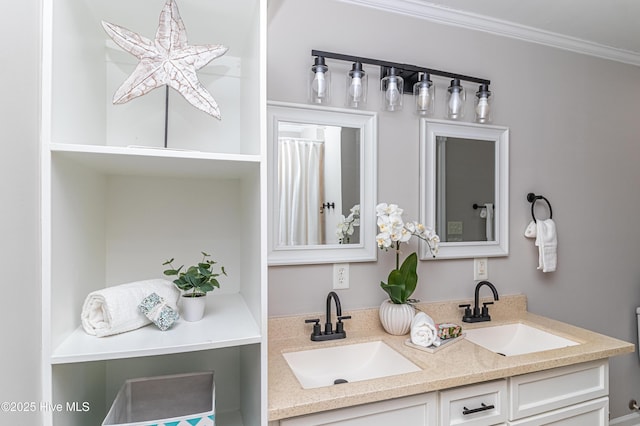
(429, 130)
(367, 122)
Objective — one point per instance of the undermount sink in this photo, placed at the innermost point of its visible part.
(315, 368)
(516, 339)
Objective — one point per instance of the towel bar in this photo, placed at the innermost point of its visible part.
(477, 206)
(532, 198)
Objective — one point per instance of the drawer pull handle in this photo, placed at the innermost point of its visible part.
(483, 407)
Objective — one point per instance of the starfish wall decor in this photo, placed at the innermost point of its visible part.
(167, 60)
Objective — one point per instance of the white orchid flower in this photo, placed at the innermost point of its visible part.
(346, 225)
(384, 240)
(394, 230)
(381, 209)
(405, 235)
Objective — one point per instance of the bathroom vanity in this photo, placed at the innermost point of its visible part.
(461, 383)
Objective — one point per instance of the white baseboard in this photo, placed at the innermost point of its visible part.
(632, 419)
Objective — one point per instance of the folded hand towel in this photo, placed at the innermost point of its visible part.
(547, 243)
(488, 215)
(114, 310)
(156, 309)
(424, 331)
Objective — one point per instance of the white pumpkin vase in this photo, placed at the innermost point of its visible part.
(193, 307)
(396, 318)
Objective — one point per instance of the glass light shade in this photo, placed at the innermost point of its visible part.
(357, 82)
(424, 95)
(455, 100)
(483, 104)
(320, 82)
(392, 87)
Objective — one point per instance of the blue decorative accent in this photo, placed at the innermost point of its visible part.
(194, 422)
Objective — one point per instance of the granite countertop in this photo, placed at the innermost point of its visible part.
(458, 364)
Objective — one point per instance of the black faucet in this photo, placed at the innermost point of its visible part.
(329, 334)
(479, 315)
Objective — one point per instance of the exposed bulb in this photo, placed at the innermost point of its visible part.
(392, 88)
(393, 94)
(356, 86)
(355, 89)
(424, 94)
(319, 84)
(482, 109)
(455, 104)
(483, 104)
(423, 98)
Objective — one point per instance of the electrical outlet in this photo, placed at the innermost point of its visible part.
(454, 228)
(340, 276)
(480, 268)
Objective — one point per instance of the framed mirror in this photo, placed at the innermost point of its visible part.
(464, 188)
(322, 184)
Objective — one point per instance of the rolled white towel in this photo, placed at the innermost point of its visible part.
(114, 310)
(424, 331)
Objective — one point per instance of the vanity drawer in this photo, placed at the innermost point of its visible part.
(536, 393)
(480, 404)
(592, 413)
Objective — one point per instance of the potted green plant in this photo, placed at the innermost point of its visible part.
(396, 313)
(195, 282)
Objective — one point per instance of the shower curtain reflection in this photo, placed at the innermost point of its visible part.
(300, 177)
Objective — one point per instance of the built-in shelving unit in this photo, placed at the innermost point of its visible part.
(116, 204)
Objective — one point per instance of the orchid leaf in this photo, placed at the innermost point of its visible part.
(402, 282)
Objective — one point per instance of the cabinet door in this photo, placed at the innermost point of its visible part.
(592, 413)
(419, 410)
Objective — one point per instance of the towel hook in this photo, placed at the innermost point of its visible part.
(532, 198)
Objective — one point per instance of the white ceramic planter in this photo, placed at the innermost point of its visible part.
(396, 318)
(193, 307)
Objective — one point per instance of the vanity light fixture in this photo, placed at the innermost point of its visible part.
(396, 79)
(455, 100)
(392, 87)
(483, 104)
(320, 82)
(357, 84)
(424, 94)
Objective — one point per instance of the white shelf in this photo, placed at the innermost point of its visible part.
(143, 161)
(114, 201)
(227, 322)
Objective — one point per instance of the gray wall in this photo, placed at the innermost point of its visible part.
(574, 130)
(19, 220)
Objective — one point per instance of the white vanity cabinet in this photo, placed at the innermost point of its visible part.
(116, 204)
(574, 395)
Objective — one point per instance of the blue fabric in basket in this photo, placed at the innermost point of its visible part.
(196, 421)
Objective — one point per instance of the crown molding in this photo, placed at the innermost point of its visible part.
(447, 16)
